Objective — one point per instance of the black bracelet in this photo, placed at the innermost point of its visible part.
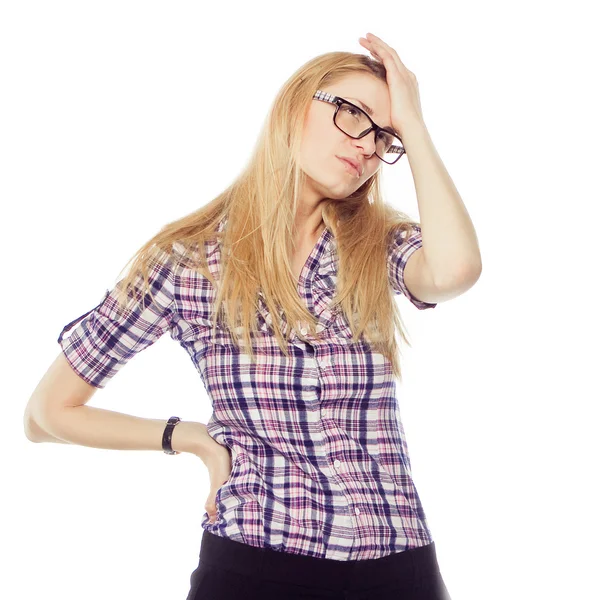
(168, 433)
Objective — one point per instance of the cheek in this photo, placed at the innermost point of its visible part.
(317, 155)
(319, 140)
(374, 168)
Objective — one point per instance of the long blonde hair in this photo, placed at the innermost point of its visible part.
(257, 244)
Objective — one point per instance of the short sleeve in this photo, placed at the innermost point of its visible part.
(109, 335)
(400, 250)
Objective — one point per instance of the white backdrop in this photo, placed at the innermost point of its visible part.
(113, 119)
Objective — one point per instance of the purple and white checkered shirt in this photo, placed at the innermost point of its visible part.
(320, 464)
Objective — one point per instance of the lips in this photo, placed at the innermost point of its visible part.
(352, 163)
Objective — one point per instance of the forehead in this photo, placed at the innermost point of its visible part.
(366, 91)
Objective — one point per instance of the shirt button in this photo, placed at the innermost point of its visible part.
(325, 413)
(303, 331)
(357, 511)
(336, 463)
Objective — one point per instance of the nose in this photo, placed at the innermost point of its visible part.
(367, 142)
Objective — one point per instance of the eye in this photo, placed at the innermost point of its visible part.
(387, 139)
(351, 110)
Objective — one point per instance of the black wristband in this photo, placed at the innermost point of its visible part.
(167, 434)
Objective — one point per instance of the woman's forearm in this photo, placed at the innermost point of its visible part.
(100, 428)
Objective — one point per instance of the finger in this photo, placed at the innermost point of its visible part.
(370, 47)
(211, 510)
(382, 54)
(385, 48)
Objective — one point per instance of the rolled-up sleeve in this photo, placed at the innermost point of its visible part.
(108, 336)
(400, 250)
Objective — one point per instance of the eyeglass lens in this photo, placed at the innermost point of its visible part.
(354, 122)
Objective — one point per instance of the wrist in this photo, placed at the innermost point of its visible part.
(188, 436)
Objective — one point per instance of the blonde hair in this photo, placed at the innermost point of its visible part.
(257, 243)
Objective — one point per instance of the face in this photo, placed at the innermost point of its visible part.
(323, 142)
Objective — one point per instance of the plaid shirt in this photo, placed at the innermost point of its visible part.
(320, 464)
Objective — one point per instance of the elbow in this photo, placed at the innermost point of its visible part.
(473, 274)
(36, 422)
(457, 285)
(464, 279)
(31, 429)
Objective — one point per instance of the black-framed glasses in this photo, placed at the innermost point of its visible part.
(355, 122)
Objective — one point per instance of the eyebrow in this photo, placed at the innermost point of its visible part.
(369, 111)
(366, 108)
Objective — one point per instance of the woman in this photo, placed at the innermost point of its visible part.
(282, 290)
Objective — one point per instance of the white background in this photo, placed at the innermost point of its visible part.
(114, 116)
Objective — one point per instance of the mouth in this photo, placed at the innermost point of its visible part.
(350, 167)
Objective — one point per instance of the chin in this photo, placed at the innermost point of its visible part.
(341, 195)
(332, 185)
